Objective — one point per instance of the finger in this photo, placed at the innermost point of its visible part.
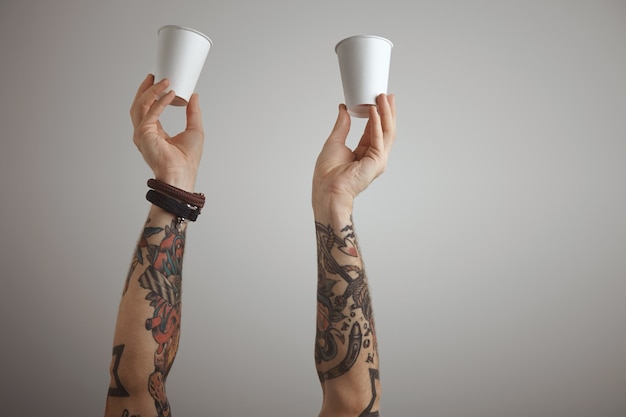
(387, 112)
(154, 112)
(194, 114)
(387, 107)
(342, 126)
(145, 84)
(145, 100)
(375, 129)
(391, 98)
(364, 142)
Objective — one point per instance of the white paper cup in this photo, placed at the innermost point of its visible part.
(181, 53)
(364, 65)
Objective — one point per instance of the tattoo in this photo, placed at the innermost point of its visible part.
(163, 279)
(118, 390)
(354, 347)
(126, 413)
(138, 258)
(368, 411)
(344, 309)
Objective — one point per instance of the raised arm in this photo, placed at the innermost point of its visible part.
(346, 354)
(148, 323)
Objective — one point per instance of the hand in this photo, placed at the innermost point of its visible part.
(174, 160)
(341, 174)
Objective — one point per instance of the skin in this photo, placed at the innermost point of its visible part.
(174, 160)
(147, 331)
(346, 346)
(148, 324)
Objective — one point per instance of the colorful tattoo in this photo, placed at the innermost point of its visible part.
(163, 278)
(344, 310)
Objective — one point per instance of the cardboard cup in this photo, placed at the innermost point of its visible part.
(181, 53)
(364, 65)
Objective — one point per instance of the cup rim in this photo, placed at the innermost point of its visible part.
(363, 36)
(185, 28)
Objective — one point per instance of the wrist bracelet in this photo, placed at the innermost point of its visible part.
(193, 199)
(179, 209)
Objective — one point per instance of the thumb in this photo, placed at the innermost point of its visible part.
(194, 114)
(342, 126)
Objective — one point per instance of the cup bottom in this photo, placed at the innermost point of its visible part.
(179, 102)
(360, 110)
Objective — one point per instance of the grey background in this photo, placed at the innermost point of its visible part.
(495, 242)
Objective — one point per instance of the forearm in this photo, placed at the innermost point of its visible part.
(346, 350)
(148, 325)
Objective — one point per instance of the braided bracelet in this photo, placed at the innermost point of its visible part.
(179, 209)
(193, 199)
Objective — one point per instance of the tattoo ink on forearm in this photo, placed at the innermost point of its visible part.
(344, 309)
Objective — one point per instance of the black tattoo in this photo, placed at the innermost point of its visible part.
(354, 347)
(138, 259)
(368, 411)
(340, 311)
(118, 390)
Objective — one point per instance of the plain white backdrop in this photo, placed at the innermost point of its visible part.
(495, 243)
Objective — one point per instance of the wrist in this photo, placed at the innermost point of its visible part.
(332, 209)
(184, 181)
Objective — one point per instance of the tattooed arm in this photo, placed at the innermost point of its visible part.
(346, 353)
(148, 323)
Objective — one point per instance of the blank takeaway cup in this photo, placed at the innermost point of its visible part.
(364, 65)
(181, 53)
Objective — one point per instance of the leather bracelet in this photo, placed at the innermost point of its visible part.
(179, 209)
(193, 199)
